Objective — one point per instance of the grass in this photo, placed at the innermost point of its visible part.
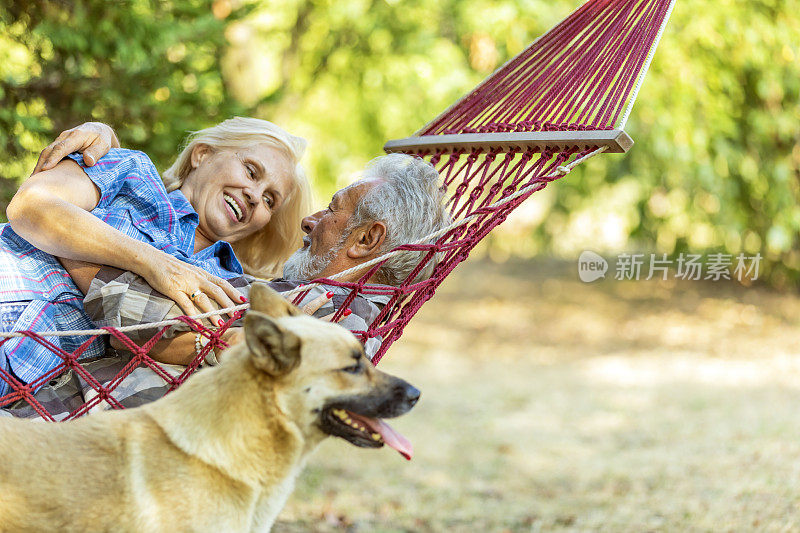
(553, 405)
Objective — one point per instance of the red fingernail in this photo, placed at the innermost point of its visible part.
(347, 312)
(329, 294)
(220, 323)
(243, 299)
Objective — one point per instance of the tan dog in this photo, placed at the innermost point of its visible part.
(219, 454)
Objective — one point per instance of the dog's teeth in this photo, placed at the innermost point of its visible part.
(342, 414)
(376, 436)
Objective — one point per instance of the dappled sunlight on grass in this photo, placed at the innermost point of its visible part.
(549, 404)
(773, 370)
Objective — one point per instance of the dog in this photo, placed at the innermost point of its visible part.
(221, 453)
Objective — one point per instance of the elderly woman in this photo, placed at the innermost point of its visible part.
(237, 184)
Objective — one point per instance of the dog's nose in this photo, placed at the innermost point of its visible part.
(412, 394)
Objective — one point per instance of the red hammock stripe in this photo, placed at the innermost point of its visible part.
(580, 74)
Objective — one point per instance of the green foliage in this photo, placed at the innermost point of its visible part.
(716, 165)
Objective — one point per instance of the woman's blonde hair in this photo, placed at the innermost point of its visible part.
(263, 253)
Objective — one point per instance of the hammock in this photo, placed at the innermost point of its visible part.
(562, 100)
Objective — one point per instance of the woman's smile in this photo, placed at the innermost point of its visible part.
(235, 206)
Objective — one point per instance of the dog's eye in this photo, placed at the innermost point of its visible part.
(355, 369)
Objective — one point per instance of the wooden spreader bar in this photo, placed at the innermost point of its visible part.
(617, 141)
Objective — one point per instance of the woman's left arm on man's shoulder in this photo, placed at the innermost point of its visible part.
(92, 139)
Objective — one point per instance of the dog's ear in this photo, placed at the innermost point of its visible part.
(265, 300)
(274, 349)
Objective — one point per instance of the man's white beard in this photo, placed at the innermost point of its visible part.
(302, 265)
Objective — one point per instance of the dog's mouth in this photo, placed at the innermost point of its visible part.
(364, 431)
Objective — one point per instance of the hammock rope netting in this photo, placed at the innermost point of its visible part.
(560, 101)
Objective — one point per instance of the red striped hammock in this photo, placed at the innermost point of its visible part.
(563, 99)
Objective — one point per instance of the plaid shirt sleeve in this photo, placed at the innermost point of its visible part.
(118, 298)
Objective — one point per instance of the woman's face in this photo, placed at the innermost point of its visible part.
(236, 192)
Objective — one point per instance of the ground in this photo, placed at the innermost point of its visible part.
(553, 405)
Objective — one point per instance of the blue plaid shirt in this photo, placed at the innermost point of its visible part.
(134, 201)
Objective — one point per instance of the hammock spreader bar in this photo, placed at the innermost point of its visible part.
(615, 142)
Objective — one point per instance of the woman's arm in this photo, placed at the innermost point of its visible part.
(51, 211)
(178, 350)
(119, 299)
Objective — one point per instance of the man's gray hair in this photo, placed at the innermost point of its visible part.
(410, 202)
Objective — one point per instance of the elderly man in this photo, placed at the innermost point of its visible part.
(397, 200)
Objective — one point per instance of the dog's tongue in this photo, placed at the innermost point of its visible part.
(392, 438)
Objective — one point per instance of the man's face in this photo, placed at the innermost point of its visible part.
(325, 246)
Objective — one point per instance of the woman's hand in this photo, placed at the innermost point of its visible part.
(92, 139)
(192, 288)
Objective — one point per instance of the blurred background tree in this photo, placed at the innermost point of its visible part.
(716, 166)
